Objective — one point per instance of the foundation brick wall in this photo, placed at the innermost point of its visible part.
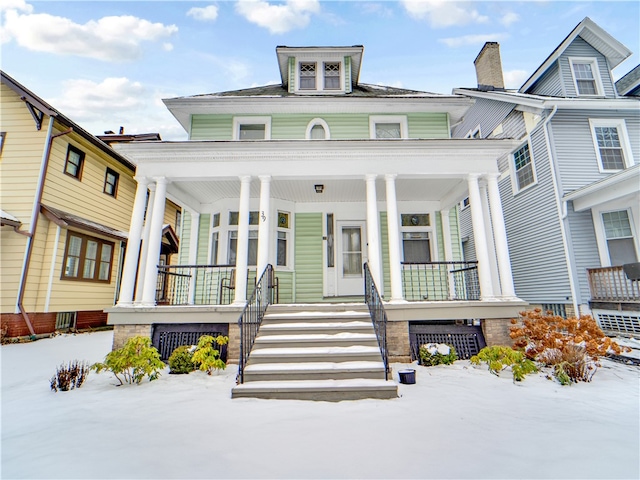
(233, 348)
(121, 333)
(398, 342)
(496, 331)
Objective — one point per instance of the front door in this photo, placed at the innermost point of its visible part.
(350, 253)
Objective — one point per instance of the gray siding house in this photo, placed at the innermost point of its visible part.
(570, 190)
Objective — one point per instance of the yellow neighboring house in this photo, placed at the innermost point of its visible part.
(66, 199)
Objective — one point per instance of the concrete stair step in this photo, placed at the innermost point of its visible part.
(342, 339)
(313, 371)
(315, 354)
(325, 390)
(315, 316)
(280, 328)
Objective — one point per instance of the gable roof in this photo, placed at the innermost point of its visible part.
(630, 83)
(29, 97)
(613, 50)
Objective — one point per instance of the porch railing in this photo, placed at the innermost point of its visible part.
(440, 281)
(195, 284)
(611, 284)
(378, 316)
(251, 318)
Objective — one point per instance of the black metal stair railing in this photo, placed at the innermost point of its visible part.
(251, 318)
(378, 316)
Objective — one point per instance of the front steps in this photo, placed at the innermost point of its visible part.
(320, 355)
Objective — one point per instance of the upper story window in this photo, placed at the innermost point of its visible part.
(307, 76)
(74, 162)
(252, 128)
(611, 144)
(523, 168)
(332, 76)
(385, 127)
(2, 135)
(87, 258)
(111, 182)
(318, 129)
(586, 76)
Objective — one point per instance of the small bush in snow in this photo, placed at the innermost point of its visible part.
(571, 346)
(437, 353)
(134, 361)
(69, 376)
(208, 357)
(181, 360)
(498, 358)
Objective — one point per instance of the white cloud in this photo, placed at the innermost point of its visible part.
(109, 38)
(115, 102)
(443, 13)
(509, 18)
(466, 40)
(515, 78)
(20, 5)
(209, 13)
(279, 18)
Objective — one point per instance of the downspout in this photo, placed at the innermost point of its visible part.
(35, 214)
(562, 212)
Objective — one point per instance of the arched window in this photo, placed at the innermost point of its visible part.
(318, 130)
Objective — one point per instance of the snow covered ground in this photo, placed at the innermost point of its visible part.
(455, 422)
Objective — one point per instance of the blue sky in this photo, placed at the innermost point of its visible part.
(109, 64)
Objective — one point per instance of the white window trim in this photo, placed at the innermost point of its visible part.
(601, 236)
(319, 90)
(266, 121)
(514, 176)
(288, 231)
(596, 75)
(621, 125)
(401, 119)
(430, 230)
(322, 123)
(472, 133)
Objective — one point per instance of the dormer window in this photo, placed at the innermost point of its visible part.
(307, 76)
(332, 76)
(586, 76)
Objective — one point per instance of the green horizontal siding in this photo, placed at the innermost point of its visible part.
(185, 239)
(341, 126)
(203, 239)
(384, 246)
(308, 257)
(285, 286)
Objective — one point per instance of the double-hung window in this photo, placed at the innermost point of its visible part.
(232, 250)
(620, 238)
(282, 250)
(523, 168)
(332, 76)
(111, 182)
(586, 76)
(307, 76)
(87, 258)
(611, 144)
(416, 242)
(74, 162)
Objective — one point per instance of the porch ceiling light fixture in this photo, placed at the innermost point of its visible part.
(319, 188)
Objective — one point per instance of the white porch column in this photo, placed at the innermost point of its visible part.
(242, 245)
(193, 251)
(133, 244)
(491, 246)
(393, 231)
(154, 240)
(448, 252)
(500, 235)
(142, 265)
(373, 233)
(480, 238)
(264, 224)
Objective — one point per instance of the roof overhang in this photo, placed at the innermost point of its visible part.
(355, 52)
(612, 49)
(184, 107)
(65, 219)
(8, 219)
(611, 188)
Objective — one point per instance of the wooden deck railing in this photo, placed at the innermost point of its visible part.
(610, 284)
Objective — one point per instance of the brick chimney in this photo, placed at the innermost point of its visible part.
(489, 68)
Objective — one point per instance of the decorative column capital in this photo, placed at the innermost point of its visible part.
(390, 177)
(245, 178)
(141, 180)
(161, 180)
(473, 177)
(370, 177)
(263, 178)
